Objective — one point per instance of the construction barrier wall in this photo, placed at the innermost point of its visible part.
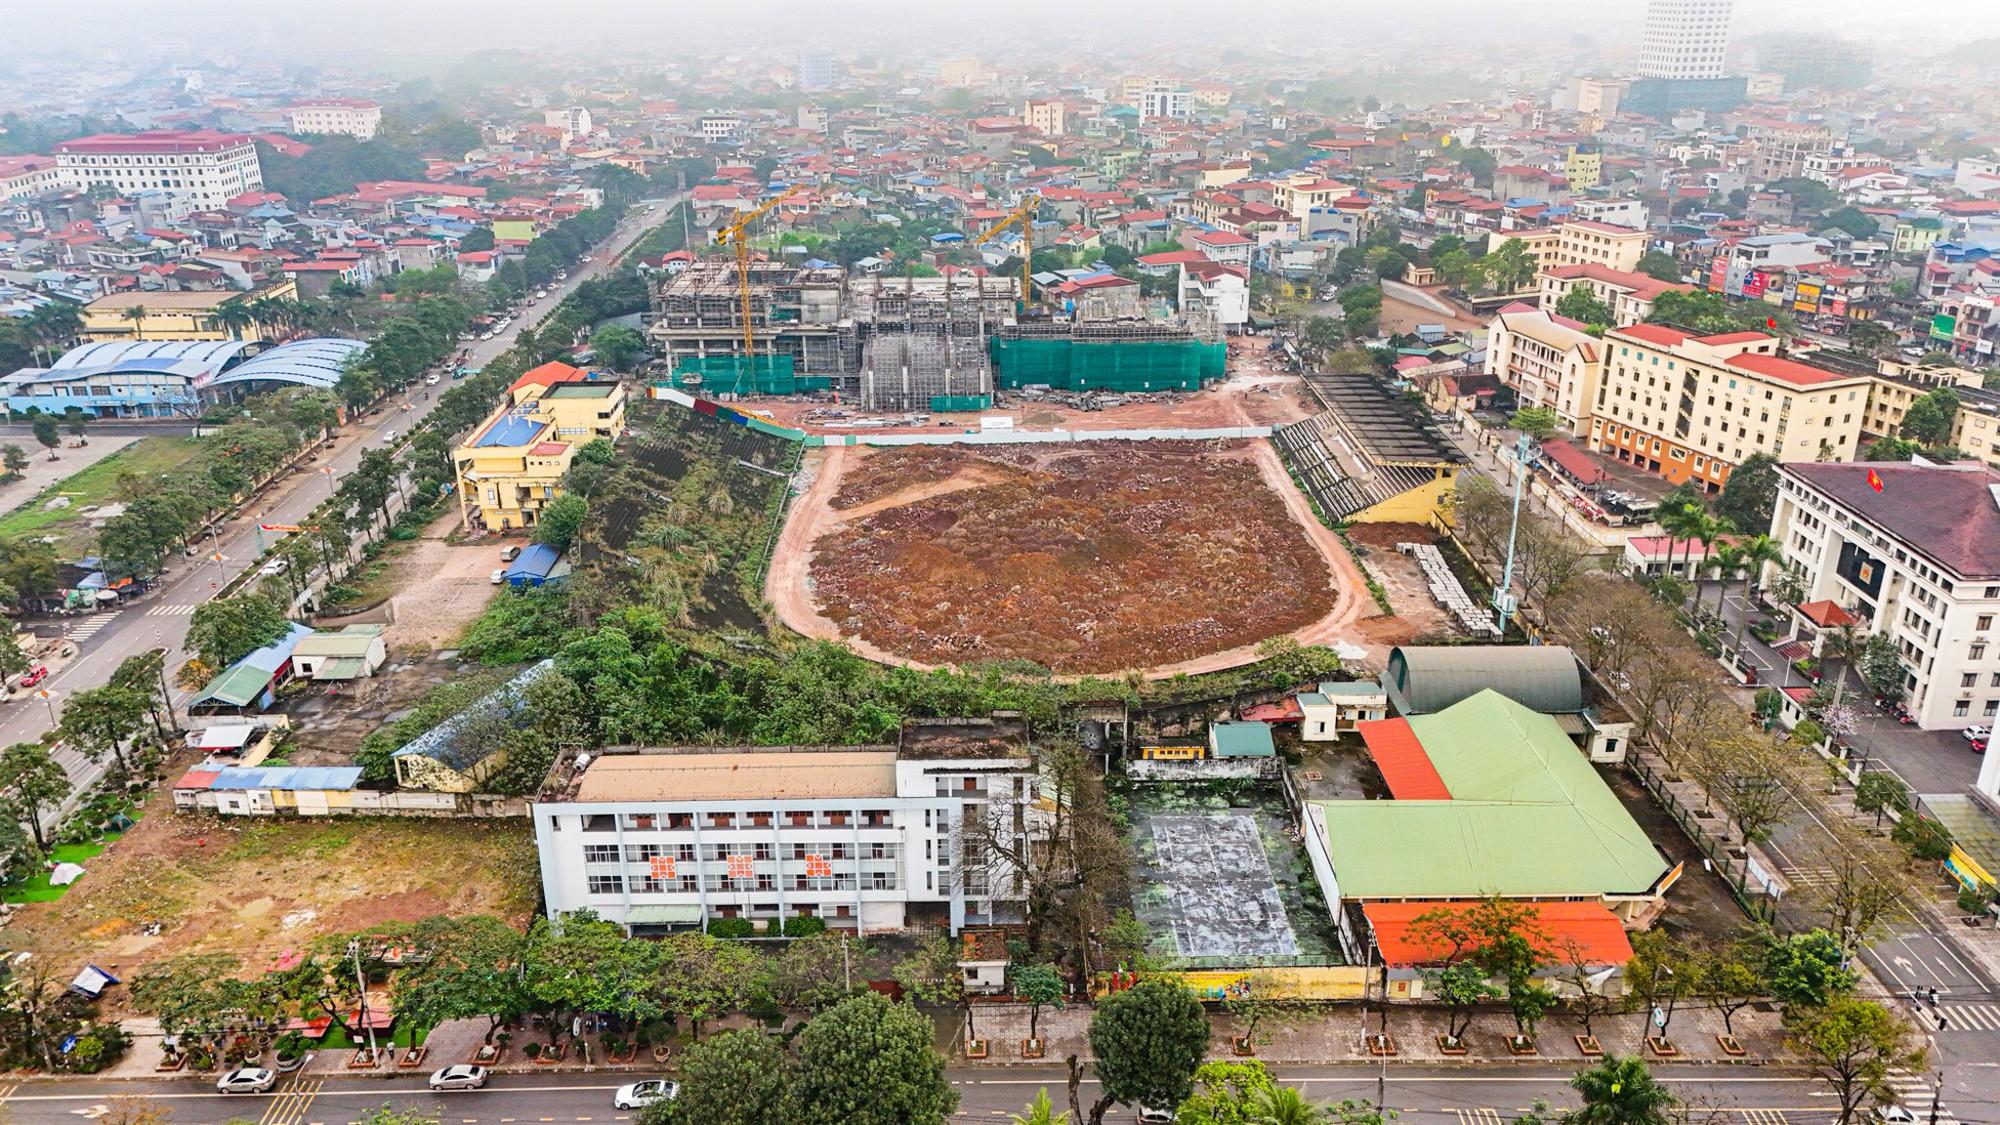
(763, 375)
(960, 404)
(1107, 365)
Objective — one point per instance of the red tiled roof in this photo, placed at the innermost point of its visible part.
(1585, 932)
(1658, 335)
(1574, 461)
(1827, 614)
(1785, 370)
(1727, 338)
(1402, 760)
(548, 375)
(549, 449)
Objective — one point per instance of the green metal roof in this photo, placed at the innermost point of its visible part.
(238, 687)
(1242, 740)
(1529, 816)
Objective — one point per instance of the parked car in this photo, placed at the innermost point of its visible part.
(246, 1080)
(463, 1076)
(1976, 733)
(487, 335)
(639, 1095)
(541, 293)
(500, 576)
(1151, 1116)
(34, 675)
(509, 554)
(1892, 1114)
(275, 567)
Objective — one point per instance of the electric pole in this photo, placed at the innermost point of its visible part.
(1503, 594)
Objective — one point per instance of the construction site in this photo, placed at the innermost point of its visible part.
(1092, 558)
(902, 344)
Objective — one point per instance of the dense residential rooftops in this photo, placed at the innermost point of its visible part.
(1949, 513)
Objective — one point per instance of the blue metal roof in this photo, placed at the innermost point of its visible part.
(209, 354)
(511, 429)
(273, 655)
(287, 777)
(317, 363)
(535, 562)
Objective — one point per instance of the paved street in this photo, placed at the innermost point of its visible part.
(161, 619)
(1458, 1096)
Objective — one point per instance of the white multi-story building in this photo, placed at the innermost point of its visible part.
(24, 176)
(867, 838)
(1918, 559)
(574, 121)
(200, 167)
(1684, 39)
(349, 117)
(1160, 98)
(720, 126)
(1219, 290)
(1550, 361)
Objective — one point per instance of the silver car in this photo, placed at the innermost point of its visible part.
(639, 1095)
(246, 1080)
(463, 1076)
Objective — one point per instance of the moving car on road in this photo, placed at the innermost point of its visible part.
(246, 1080)
(639, 1095)
(463, 1076)
(275, 567)
(34, 675)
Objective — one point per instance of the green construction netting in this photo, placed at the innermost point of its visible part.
(762, 375)
(1092, 365)
(959, 404)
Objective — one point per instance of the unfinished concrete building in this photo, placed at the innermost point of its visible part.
(904, 343)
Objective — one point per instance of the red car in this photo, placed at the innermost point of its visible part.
(34, 675)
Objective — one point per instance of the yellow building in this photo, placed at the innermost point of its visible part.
(1582, 242)
(179, 316)
(514, 464)
(1548, 361)
(1691, 408)
(513, 230)
(1583, 166)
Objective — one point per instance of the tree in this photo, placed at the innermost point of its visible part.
(1039, 984)
(1509, 267)
(1148, 1039)
(815, 972)
(1807, 969)
(1854, 221)
(1751, 493)
(1223, 1092)
(617, 346)
(103, 718)
(1753, 776)
(1580, 304)
(580, 963)
(1881, 665)
(1283, 1105)
(704, 978)
(1853, 1045)
(1660, 975)
(199, 994)
(1730, 980)
(1929, 420)
(15, 459)
(1479, 164)
(78, 424)
(738, 1077)
(225, 630)
(1882, 793)
(1537, 422)
(32, 786)
(1619, 1090)
(1660, 266)
(561, 519)
(471, 967)
(47, 433)
(1039, 1112)
(932, 976)
(868, 1061)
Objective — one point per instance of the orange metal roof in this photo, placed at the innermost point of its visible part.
(1585, 931)
(1827, 614)
(1402, 760)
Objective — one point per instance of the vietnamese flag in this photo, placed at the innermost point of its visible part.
(1875, 480)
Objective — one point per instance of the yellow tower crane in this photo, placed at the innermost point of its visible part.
(737, 235)
(1024, 217)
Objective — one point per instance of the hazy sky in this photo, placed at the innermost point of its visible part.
(949, 27)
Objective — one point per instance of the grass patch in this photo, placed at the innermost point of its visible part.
(39, 889)
(98, 484)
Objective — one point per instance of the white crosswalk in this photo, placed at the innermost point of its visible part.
(88, 627)
(1968, 1017)
(1478, 1116)
(1808, 876)
(171, 610)
(1763, 1116)
(1914, 1092)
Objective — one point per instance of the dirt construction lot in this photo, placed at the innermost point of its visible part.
(441, 587)
(1090, 558)
(258, 888)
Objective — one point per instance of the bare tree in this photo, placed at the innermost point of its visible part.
(1863, 882)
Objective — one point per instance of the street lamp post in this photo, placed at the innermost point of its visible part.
(361, 982)
(48, 696)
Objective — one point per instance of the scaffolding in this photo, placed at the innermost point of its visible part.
(1127, 356)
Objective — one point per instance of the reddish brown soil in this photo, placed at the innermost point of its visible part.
(1083, 559)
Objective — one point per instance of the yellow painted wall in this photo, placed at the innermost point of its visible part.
(514, 230)
(1425, 504)
(1307, 982)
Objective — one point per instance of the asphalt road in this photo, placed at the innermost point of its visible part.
(161, 619)
(1455, 1096)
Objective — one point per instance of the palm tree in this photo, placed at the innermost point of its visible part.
(1753, 555)
(1282, 1105)
(232, 316)
(265, 312)
(1710, 529)
(1620, 1091)
(1039, 1112)
(137, 315)
(1680, 524)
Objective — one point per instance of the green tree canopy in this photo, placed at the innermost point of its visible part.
(1929, 419)
(226, 630)
(1620, 1091)
(870, 1061)
(1751, 494)
(1660, 266)
(739, 1077)
(1807, 969)
(1149, 1040)
(1580, 304)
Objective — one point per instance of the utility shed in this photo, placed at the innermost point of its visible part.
(1229, 739)
(459, 754)
(1423, 680)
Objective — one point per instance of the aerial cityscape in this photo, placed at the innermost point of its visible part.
(884, 564)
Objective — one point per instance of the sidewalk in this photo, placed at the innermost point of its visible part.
(1341, 1035)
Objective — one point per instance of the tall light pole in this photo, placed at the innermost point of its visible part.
(1504, 601)
(361, 982)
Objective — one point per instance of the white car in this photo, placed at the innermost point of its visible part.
(500, 576)
(1976, 734)
(463, 1076)
(486, 335)
(432, 381)
(639, 1095)
(246, 1080)
(1150, 1116)
(275, 567)
(1893, 1114)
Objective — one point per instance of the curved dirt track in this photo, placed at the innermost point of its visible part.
(812, 517)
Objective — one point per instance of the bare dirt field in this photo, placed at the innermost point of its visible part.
(259, 888)
(442, 587)
(1092, 558)
(1417, 617)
